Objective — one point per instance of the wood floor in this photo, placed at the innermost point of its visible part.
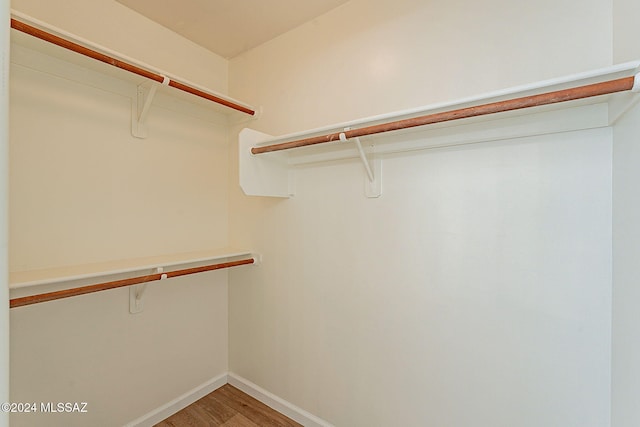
(228, 407)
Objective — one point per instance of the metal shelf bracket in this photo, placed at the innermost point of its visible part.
(136, 304)
(372, 166)
(141, 106)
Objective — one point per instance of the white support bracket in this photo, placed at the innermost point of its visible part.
(261, 175)
(616, 110)
(136, 304)
(140, 109)
(257, 259)
(636, 83)
(372, 166)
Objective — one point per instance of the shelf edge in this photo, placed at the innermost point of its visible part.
(627, 69)
(124, 270)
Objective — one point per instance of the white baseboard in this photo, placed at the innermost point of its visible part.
(181, 402)
(275, 402)
(253, 390)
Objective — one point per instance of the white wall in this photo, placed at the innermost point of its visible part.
(83, 190)
(626, 295)
(4, 198)
(366, 58)
(626, 235)
(117, 27)
(90, 349)
(625, 30)
(477, 289)
(79, 177)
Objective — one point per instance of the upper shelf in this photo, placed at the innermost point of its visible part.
(33, 35)
(581, 101)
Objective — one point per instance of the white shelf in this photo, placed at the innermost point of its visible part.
(270, 174)
(22, 283)
(31, 52)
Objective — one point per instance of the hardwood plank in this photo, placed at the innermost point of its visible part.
(251, 408)
(186, 417)
(228, 407)
(215, 414)
(213, 410)
(239, 421)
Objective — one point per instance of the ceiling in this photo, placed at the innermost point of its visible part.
(230, 27)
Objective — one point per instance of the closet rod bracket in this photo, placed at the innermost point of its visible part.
(257, 259)
(372, 166)
(136, 292)
(141, 106)
(617, 110)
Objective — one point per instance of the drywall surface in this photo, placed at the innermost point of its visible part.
(4, 199)
(626, 235)
(626, 295)
(477, 289)
(90, 349)
(83, 190)
(625, 30)
(366, 58)
(119, 28)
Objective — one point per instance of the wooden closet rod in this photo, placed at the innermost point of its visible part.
(66, 293)
(596, 89)
(59, 41)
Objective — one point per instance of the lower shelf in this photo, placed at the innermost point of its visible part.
(29, 287)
